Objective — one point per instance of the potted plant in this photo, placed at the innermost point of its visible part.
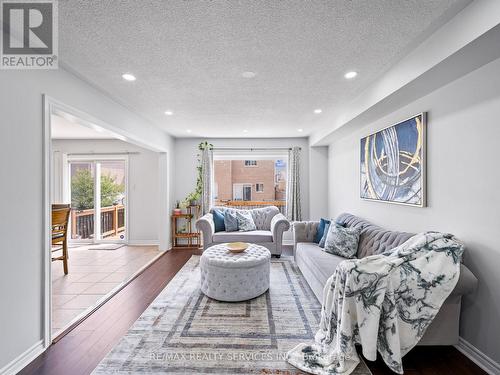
(177, 209)
(193, 198)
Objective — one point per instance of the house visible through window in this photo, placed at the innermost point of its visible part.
(264, 184)
(242, 192)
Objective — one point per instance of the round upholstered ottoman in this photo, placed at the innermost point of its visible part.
(230, 277)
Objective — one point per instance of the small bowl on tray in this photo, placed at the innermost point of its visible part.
(237, 247)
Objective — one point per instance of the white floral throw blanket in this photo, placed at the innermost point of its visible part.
(384, 302)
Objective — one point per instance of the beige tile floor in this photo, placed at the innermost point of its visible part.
(92, 275)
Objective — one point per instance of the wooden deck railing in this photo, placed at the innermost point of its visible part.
(247, 205)
(112, 222)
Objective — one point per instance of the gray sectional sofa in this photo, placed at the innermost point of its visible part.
(270, 223)
(317, 266)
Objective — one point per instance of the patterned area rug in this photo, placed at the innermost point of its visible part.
(185, 332)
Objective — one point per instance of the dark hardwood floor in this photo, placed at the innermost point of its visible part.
(431, 360)
(85, 346)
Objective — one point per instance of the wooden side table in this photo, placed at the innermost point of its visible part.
(189, 238)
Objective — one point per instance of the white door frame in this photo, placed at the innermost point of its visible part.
(53, 106)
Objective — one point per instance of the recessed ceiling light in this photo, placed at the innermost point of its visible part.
(245, 131)
(189, 130)
(128, 77)
(248, 74)
(169, 113)
(350, 75)
(318, 111)
(300, 130)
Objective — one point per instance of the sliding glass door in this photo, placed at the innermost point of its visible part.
(98, 192)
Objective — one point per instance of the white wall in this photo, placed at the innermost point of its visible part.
(21, 190)
(463, 187)
(312, 204)
(143, 182)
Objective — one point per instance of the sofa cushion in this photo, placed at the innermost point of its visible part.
(325, 235)
(218, 220)
(342, 241)
(322, 264)
(261, 216)
(245, 221)
(256, 236)
(230, 221)
(321, 230)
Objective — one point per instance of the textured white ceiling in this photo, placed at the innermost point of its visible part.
(188, 57)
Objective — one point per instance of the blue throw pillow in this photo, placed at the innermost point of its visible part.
(321, 230)
(230, 221)
(218, 220)
(325, 234)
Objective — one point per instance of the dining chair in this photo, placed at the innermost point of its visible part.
(58, 206)
(60, 219)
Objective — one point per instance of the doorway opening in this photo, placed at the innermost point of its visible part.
(111, 189)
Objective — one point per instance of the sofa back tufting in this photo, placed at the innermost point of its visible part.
(261, 216)
(373, 239)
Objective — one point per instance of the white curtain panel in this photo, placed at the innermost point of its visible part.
(293, 204)
(207, 175)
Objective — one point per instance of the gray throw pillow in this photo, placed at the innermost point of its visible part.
(245, 221)
(230, 221)
(342, 241)
(323, 238)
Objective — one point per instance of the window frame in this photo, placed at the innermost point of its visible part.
(252, 165)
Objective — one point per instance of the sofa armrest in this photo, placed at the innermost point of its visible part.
(279, 225)
(467, 282)
(206, 226)
(304, 231)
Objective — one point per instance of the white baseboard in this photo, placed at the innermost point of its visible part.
(23, 360)
(478, 357)
(143, 242)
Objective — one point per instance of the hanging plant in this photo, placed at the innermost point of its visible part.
(195, 195)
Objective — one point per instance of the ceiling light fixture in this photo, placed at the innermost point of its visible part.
(300, 130)
(318, 111)
(248, 74)
(350, 75)
(189, 130)
(245, 131)
(169, 113)
(128, 77)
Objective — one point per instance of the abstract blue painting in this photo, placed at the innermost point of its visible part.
(393, 163)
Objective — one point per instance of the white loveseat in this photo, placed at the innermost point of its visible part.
(270, 223)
